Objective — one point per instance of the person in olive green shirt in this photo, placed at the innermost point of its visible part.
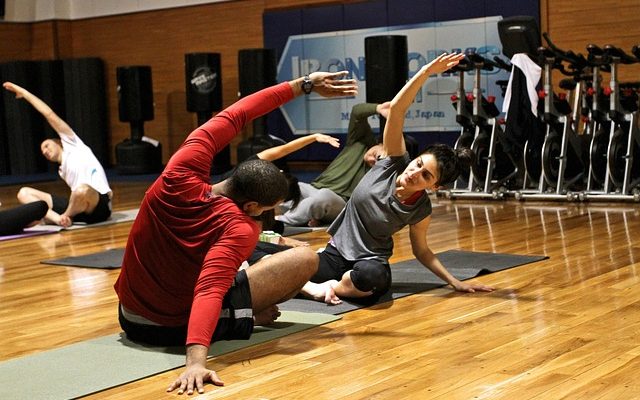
(322, 200)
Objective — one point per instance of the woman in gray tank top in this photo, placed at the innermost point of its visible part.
(390, 196)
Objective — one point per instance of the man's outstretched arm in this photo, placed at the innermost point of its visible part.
(57, 123)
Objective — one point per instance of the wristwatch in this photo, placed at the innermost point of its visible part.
(306, 85)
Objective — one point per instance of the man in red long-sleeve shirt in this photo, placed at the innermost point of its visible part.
(180, 281)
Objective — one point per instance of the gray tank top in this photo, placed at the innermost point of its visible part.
(365, 227)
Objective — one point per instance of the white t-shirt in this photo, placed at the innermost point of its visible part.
(80, 166)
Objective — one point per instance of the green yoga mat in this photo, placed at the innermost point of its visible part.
(411, 277)
(94, 365)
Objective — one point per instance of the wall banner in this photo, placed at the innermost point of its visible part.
(344, 50)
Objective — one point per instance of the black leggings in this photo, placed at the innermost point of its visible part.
(366, 275)
(101, 213)
(14, 220)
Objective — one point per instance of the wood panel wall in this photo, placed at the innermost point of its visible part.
(572, 25)
(161, 38)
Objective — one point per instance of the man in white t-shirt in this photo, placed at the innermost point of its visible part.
(90, 198)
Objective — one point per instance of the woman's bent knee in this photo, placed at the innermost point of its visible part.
(370, 275)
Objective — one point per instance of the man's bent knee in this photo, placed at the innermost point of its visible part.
(24, 194)
(85, 192)
(306, 258)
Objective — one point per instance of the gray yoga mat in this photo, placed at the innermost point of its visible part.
(295, 230)
(109, 259)
(94, 365)
(411, 277)
(115, 218)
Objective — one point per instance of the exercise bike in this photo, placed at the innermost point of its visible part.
(492, 167)
(622, 175)
(561, 166)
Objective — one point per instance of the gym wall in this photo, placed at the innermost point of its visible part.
(161, 38)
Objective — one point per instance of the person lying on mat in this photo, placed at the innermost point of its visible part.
(90, 197)
(180, 282)
(14, 220)
(391, 195)
(322, 200)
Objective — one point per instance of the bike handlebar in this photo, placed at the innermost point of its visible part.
(480, 62)
(636, 51)
(464, 65)
(500, 63)
(576, 61)
(615, 52)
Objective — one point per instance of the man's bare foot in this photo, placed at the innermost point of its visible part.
(324, 292)
(65, 221)
(267, 317)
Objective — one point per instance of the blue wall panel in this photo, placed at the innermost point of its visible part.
(407, 12)
(368, 14)
(279, 25)
(322, 19)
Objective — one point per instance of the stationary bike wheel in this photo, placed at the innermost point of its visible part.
(465, 141)
(503, 166)
(598, 155)
(533, 160)
(551, 160)
(617, 156)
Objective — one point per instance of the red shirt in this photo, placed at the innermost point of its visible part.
(186, 244)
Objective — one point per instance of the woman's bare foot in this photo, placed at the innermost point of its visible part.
(324, 292)
(267, 317)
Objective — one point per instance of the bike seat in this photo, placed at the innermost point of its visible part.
(568, 84)
(480, 62)
(463, 65)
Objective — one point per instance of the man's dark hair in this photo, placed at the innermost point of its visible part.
(451, 162)
(257, 180)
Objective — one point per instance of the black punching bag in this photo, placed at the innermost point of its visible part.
(203, 84)
(85, 103)
(386, 66)
(257, 69)
(4, 143)
(204, 96)
(23, 123)
(135, 105)
(387, 71)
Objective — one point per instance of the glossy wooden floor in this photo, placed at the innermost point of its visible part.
(564, 328)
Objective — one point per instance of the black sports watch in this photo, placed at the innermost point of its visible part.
(306, 85)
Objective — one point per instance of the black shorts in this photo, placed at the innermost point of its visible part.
(264, 249)
(235, 322)
(332, 265)
(101, 213)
